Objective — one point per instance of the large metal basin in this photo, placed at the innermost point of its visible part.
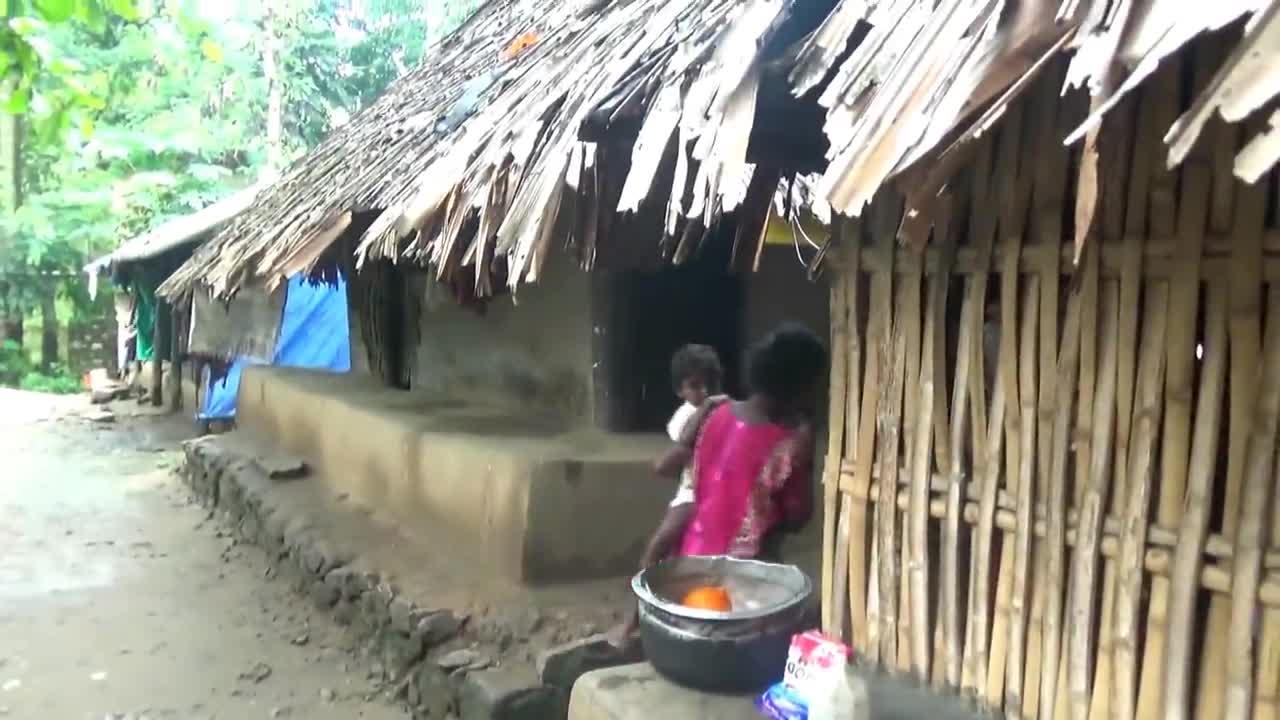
(741, 650)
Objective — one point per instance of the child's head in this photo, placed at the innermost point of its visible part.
(785, 369)
(696, 373)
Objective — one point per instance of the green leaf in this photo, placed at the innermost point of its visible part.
(26, 25)
(90, 13)
(126, 9)
(17, 101)
(86, 125)
(65, 66)
(55, 11)
(211, 50)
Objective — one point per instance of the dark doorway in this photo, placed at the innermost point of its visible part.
(648, 315)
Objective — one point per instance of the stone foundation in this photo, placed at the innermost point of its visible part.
(438, 661)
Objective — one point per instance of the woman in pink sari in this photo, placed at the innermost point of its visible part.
(752, 457)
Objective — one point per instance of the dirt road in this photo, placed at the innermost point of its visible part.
(120, 599)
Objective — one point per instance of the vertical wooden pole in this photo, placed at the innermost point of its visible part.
(1081, 441)
(1244, 337)
(1266, 702)
(1133, 535)
(982, 634)
(157, 362)
(1008, 631)
(908, 311)
(1024, 499)
(1056, 503)
(1267, 692)
(950, 653)
(933, 370)
(936, 336)
(1058, 115)
(851, 235)
(918, 510)
(1188, 557)
(833, 572)
(879, 334)
(982, 226)
(175, 356)
(1083, 602)
(1259, 489)
(893, 360)
(904, 580)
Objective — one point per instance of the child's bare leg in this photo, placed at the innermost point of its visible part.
(661, 546)
(664, 540)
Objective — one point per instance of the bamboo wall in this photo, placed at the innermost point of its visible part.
(1088, 528)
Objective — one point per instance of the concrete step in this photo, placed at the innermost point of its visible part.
(638, 692)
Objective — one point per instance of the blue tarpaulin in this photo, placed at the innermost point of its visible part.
(314, 334)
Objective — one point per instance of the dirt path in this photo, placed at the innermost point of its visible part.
(119, 599)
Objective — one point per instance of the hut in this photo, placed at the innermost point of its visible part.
(462, 166)
(499, 386)
(1055, 386)
(138, 267)
(1081, 195)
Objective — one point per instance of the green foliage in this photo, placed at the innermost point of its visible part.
(38, 76)
(448, 15)
(140, 111)
(57, 381)
(175, 133)
(338, 60)
(14, 364)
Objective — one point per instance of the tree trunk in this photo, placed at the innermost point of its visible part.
(156, 392)
(160, 345)
(11, 324)
(175, 357)
(48, 327)
(275, 92)
(10, 199)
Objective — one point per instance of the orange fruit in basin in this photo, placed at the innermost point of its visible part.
(708, 597)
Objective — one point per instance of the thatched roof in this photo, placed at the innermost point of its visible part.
(181, 232)
(657, 109)
(456, 190)
(371, 162)
(925, 81)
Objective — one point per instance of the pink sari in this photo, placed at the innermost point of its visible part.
(747, 479)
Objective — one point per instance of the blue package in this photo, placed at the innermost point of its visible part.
(780, 702)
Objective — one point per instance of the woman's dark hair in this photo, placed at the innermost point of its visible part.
(788, 361)
(697, 361)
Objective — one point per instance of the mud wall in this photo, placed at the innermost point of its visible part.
(531, 353)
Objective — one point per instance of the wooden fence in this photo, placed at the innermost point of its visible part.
(1049, 484)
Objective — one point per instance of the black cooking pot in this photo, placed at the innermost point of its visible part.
(742, 650)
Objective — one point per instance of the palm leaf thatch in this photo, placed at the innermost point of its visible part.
(541, 122)
(930, 77)
(373, 161)
(527, 159)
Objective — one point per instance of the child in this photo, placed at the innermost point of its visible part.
(696, 375)
(751, 458)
